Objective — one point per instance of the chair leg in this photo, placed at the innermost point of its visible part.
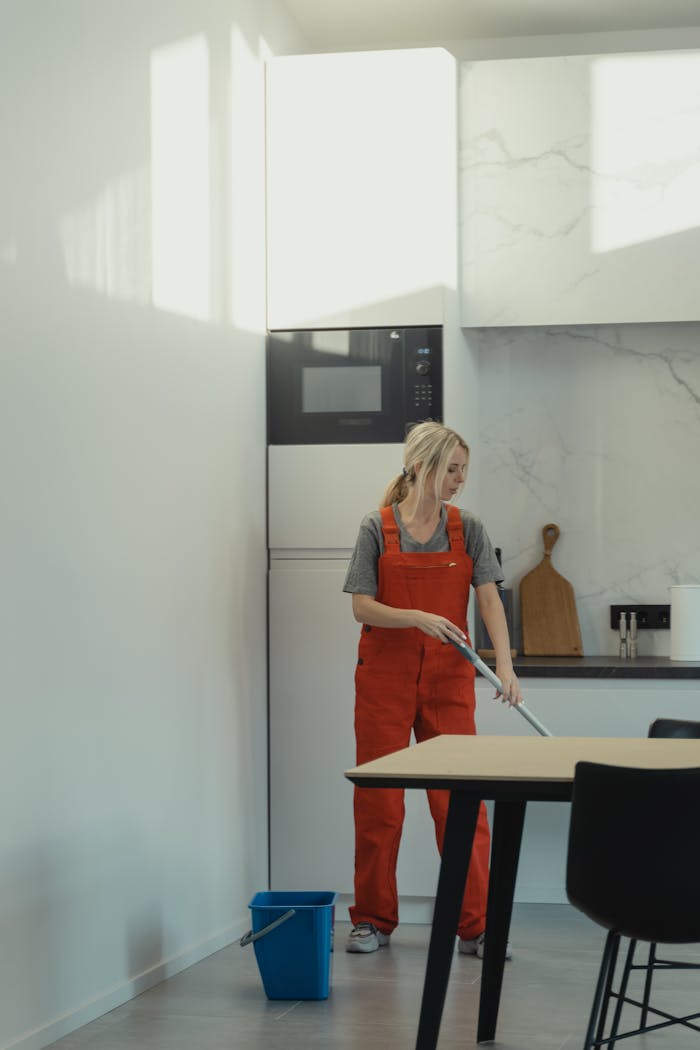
(601, 997)
(622, 992)
(647, 985)
(608, 989)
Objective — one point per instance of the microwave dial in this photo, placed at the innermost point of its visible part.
(423, 368)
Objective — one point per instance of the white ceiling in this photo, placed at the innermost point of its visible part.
(342, 24)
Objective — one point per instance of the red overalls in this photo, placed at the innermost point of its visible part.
(406, 680)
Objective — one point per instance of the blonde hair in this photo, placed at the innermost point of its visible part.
(429, 445)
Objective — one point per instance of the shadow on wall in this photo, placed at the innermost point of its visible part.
(52, 941)
(133, 463)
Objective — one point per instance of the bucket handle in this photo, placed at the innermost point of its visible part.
(249, 937)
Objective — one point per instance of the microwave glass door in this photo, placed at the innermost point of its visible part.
(345, 388)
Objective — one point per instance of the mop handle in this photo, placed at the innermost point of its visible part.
(493, 678)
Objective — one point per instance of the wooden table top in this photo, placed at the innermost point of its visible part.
(513, 759)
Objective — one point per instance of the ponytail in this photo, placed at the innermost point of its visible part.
(396, 490)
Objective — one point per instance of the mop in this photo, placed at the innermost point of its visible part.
(493, 678)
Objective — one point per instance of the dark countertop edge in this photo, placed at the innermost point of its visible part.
(493, 790)
(642, 667)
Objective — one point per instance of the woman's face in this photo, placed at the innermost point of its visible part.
(456, 474)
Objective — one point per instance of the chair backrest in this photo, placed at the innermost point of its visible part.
(634, 851)
(674, 727)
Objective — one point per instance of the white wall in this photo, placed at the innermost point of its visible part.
(133, 784)
(554, 44)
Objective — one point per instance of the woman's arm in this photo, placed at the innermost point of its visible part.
(368, 610)
(491, 610)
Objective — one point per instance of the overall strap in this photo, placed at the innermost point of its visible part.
(455, 528)
(390, 530)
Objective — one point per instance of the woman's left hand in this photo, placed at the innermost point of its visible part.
(511, 693)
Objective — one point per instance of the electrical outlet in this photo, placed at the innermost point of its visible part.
(649, 617)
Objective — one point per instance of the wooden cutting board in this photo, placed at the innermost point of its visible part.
(548, 608)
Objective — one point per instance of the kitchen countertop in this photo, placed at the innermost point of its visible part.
(645, 667)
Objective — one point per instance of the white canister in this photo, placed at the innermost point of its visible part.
(685, 622)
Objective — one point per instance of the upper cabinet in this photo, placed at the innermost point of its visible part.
(361, 188)
(580, 190)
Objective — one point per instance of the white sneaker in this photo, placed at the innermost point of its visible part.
(365, 937)
(476, 947)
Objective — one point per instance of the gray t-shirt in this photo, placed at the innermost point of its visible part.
(362, 574)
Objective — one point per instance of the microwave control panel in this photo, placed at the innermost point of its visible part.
(424, 380)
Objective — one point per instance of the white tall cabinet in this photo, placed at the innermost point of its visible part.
(361, 188)
(362, 232)
(314, 649)
(318, 495)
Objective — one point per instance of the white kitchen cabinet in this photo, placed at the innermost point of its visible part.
(319, 494)
(361, 188)
(580, 189)
(313, 649)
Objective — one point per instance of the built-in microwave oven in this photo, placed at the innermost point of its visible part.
(352, 385)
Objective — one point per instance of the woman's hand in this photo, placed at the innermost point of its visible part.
(511, 693)
(491, 609)
(438, 627)
(369, 611)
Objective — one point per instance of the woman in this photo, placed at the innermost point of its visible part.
(410, 573)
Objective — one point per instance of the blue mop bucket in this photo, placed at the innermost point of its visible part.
(293, 939)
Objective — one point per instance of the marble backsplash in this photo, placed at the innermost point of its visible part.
(598, 430)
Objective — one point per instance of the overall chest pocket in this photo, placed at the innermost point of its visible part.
(440, 585)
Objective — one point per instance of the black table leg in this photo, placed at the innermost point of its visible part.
(456, 851)
(508, 823)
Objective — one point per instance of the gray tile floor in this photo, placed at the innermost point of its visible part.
(219, 1003)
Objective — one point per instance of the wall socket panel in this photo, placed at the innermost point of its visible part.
(649, 617)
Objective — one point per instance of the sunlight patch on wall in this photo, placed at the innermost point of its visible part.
(106, 244)
(645, 149)
(180, 178)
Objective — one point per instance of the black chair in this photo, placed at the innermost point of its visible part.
(633, 867)
(680, 729)
(675, 727)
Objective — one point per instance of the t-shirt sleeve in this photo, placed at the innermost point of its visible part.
(362, 575)
(485, 567)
